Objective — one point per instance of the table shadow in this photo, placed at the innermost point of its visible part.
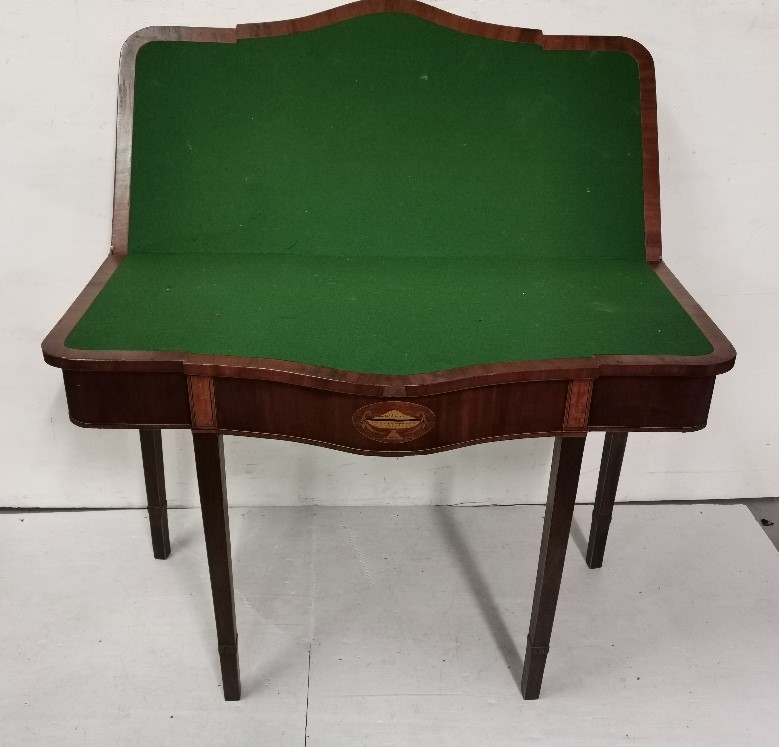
(478, 584)
(577, 535)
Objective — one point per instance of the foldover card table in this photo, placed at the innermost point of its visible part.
(386, 229)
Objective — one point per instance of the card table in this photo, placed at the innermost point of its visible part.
(390, 230)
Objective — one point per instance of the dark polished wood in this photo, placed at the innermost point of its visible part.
(100, 399)
(651, 403)
(271, 409)
(264, 408)
(154, 476)
(608, 479)
(209, 463)
(563, 482)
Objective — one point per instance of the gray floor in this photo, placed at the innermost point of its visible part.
(389, 626)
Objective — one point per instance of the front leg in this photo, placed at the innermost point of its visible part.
(566, 465)
(209, 462)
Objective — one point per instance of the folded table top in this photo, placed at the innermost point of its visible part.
(388, 196)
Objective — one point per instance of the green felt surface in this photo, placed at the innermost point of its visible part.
(386, 196)
(376, 315)
(386, 135)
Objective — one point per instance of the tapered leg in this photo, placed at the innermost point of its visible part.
(608, 479)
(566, 465)
(154, 475)
(209, 462)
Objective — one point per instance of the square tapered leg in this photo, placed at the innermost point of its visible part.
(608, 479)
(154, 476)
(209, 462)
(566, 465)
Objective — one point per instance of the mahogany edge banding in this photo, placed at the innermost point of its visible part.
(201, 401)
(368, 7)
(577, 406)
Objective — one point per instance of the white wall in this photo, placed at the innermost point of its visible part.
(718, 95)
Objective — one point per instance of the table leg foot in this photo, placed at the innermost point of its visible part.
(154, 477)
(209, 462)
(566, 465)
(533, 670)
(608, 479)
(231, 673)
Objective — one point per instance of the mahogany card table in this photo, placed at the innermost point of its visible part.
(390, 230)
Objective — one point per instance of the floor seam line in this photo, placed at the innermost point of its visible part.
(308, 690)
(312, 591)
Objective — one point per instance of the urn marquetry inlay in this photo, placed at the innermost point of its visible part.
(394, 422)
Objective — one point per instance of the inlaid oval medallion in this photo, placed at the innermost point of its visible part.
(394, 422)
